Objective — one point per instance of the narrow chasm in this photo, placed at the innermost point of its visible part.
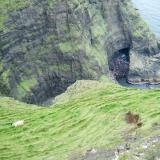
(119, 64)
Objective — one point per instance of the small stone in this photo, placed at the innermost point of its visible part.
(93, 151)
(145, 146)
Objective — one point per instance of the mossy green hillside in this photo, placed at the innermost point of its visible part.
(40, 37)
(8, 6)
(141, 29)
(90, 114)
(52, 53)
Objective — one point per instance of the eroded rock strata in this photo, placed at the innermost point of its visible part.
(45, 45)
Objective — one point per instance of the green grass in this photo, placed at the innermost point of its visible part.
(91, 115)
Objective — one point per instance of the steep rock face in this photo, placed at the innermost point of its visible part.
(45, 45)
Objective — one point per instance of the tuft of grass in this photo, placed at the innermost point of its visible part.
(90, 114)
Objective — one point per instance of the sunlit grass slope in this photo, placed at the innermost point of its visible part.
(90, 114)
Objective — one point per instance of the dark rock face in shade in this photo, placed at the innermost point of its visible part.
(119, 64)
(47, 45)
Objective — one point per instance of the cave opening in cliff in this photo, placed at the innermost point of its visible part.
(119, 64)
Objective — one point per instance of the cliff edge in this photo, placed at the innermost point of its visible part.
(46, 45)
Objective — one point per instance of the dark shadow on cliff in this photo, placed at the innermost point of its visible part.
(48, 87)
(119, 68)
(119, 64)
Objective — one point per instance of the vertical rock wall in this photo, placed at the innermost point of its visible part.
(46, 45)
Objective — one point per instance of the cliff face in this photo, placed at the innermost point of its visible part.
(45, 45)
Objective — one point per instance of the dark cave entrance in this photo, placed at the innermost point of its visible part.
(119, 64)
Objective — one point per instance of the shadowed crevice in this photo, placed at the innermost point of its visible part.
(119, 64)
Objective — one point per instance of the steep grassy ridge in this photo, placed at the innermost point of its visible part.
(92, 117)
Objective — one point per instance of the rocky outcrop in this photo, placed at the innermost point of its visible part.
(47, 45)
(131, 150)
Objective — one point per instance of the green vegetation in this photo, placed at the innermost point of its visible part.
(89, 114)
(25, 87)
(68, 47)
(52, 2)
(7, 6)
(4, 84)
(141, 29)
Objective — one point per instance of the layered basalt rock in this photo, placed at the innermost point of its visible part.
(47, 45)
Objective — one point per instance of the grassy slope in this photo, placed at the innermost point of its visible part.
(93, 117)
